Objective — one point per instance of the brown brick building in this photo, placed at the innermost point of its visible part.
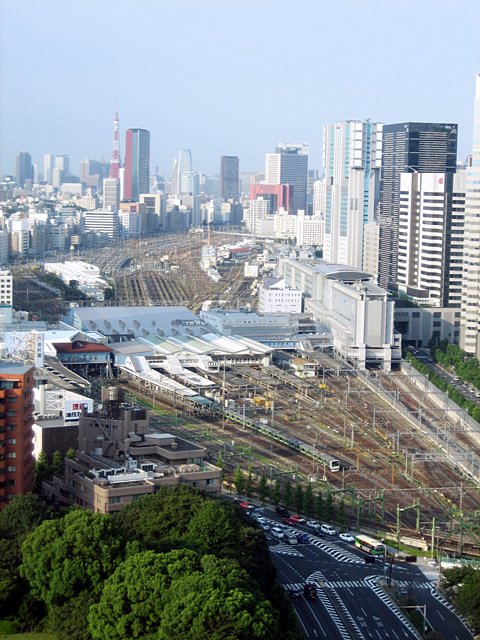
(16, 432)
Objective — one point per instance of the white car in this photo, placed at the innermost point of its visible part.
(346, 537)
(265, 526)
(328, 529)
(277, 533)
(313, 525)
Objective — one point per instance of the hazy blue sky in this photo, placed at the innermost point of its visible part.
(227, 76)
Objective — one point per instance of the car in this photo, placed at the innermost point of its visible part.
(328, 529)
(297, 519)
(265, 526)
(303, 538)
(247, 506)
(310, 591)
(296, 593)
(282, 527)
(289, 521)
(346, 537)
(281, 511)
(314, 526)
(277, 533)
(291, 538)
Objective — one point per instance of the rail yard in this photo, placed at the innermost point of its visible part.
(389, 459)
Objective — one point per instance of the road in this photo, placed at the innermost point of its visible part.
(352, 603)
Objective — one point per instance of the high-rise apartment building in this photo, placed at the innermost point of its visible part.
(63, 162)
(137, 163)
(470, 326)
(352, 153)
(289, 165)
(16, 430)
(229, 177)
(408, 147)
(24, 169)
(431, 237)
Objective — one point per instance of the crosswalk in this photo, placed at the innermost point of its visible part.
(335, 552)
(286, 549)
(372, 582)
(355, 584)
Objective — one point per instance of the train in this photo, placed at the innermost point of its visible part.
(290, 441)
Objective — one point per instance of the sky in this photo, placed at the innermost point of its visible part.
(227, 77)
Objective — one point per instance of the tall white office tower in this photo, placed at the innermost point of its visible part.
(111, 193)
(352, 154)
(431, 237)
(289, 165)
(470, 326)
(48, 165)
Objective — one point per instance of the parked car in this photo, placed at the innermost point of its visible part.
(247, 506)
(289, 521)
(346, 537)
(314, 526)
(281, 511)
(277, 533)
(265, 526)
(328, 529)
(297, 519)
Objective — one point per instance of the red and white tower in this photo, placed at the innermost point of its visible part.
(115, 159)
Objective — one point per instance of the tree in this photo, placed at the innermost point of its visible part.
(263, 489)
(342, 518)
(249, 486)
(180, 595)
(277, 492)
(214, 528)
(23, 514)
(287, 494)
(239, 480)
(309, 501)
(132, 598)
(43, 471)
(62, 558)
(298, 498)
(57, 463)
(319, 506)
(468, 598)
(329, 508)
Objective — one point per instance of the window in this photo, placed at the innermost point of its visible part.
(12, 427)
(11, 413)
(11, 454)
(11, 469)
(12, 398)
(115, 500)
(12, 483)
(12, 441)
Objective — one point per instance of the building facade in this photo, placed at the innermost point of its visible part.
(431, 236)
(229, 177)
(24, 169)
(276, 297)
(352, 153)
(137, 163)
(409, 147)
(470, 334)
(16, 430)
(289, 165)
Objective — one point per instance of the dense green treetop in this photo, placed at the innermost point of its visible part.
(63, 557)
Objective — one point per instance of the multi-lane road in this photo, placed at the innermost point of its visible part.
(352, 602)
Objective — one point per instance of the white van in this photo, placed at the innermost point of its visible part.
(291, 538)
(328, 529)
(277, 533)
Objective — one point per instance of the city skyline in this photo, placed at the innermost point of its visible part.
(189, 100)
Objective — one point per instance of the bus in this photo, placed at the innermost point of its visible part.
(370, 545)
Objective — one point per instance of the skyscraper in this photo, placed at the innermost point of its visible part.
(431, 237)
(409, 147)
(137, 163)
(48, 166)
(289, 165)
(352, 153)
(470, 326)
(229, 177)
(24, 168)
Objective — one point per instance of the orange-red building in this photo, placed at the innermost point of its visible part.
(16, 430)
